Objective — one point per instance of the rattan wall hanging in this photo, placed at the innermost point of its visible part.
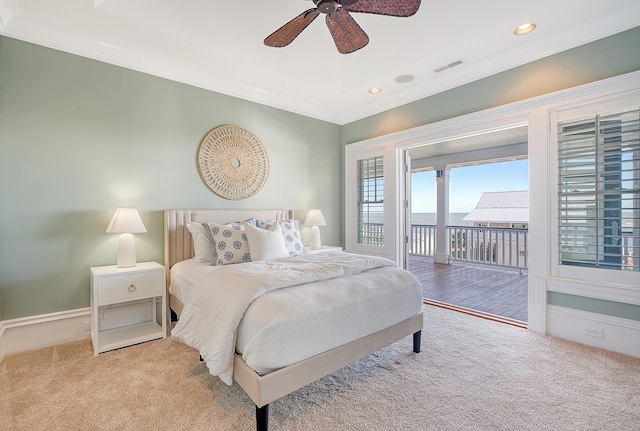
(232, 162)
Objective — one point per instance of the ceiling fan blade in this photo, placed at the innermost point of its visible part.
(346, 33)
(402, 8)
(285, 34)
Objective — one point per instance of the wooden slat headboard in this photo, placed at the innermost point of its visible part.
(177, 238)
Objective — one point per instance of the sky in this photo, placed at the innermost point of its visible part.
(467, 184)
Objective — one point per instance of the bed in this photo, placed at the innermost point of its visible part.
(265, 368)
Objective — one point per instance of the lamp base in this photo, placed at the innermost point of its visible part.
(315, 238)
(126, 251)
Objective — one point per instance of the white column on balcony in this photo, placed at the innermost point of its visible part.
(442, 218)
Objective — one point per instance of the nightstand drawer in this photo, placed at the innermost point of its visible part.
(129, 286)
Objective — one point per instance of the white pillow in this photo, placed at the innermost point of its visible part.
(266, 244)
(290, 233)
(230, 243)
(201, 244)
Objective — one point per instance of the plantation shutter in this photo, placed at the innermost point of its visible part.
(599, 191)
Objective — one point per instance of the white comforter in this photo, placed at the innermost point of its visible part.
(212, 313)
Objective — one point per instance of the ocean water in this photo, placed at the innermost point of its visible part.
(455, 219)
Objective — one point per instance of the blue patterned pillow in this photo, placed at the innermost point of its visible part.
(291, 235)
(251, 221)
(264, 224)
(230, 243)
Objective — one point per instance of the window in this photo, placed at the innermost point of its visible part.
(370, 201)
(599, 191)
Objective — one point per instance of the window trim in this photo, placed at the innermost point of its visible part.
(352, 154)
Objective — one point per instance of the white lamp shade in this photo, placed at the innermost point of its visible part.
(126, 220)
(315, 218)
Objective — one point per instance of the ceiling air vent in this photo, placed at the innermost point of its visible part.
(448, 66)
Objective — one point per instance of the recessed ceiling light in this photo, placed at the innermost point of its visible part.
(375, 90)
(525, 28)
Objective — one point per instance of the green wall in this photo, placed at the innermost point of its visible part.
(79, 138)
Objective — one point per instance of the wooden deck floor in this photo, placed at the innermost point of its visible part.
(493, 290)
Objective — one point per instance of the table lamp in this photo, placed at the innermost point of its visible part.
(315, 219)
(126, 221)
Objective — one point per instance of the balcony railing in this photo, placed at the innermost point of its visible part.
(371, 234)
(423, 239)
(506, 247)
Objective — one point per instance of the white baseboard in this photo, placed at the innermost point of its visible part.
(593, 329)
(1, 341)
(537, 304)
(36, 332)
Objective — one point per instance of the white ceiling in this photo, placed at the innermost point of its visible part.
(218, 45)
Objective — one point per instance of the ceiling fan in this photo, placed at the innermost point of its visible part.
(346, 32)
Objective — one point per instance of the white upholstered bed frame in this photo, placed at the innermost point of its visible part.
(263, 389)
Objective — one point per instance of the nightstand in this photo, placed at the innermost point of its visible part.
(322, 249)
(128, 305)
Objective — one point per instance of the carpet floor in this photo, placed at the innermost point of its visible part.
(472, 374)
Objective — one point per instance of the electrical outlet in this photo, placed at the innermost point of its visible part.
(87, 325)
(594, 332)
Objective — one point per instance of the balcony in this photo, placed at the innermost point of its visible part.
(494, 292)
(487, 275)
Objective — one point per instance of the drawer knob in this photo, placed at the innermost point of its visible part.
(132, 288)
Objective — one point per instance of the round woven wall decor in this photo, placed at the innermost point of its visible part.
(233, 162)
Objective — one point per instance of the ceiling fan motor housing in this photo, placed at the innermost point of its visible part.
(326, 6)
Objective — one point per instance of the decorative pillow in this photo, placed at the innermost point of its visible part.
(266, 244)
(207, 229)
(291, 235)
(201, 244)
(230, 243)
(214, 255)
(264, 224)
(251, 221)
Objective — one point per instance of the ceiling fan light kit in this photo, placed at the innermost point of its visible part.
(347, 34)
